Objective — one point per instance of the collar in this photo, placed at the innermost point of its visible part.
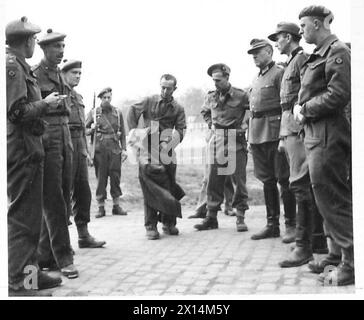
(293, 54)
(322, 47)
(263, 71)
(169, 101)
(19, 57)
(47, 66)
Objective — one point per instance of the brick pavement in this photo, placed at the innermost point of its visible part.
(216, 262)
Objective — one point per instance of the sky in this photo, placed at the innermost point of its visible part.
(128, 45)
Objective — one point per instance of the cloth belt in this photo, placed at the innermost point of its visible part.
(286, 106)
(56, 120)
(267, 113)
(106, 135)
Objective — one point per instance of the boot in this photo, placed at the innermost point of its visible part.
(200, 213)
(343, 275)
(101, 212)
(85, 240)
(271, 230)
(44, 281)
(298, 257)
(70, 271)
(319, 266)
(207, 224)
(118, 211)
(240, 223)
(152, 233)
(290, 234)
(170, 230)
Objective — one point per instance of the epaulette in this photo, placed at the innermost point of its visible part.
(35, 67)
(279, 66)
(211, 91)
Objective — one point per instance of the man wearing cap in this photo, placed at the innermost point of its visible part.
(287, 40)
(224, 110)
(324, 94)
(162, 122)
(81, 192)
(25, 156)
(270, 166)
(107, 125)
(54, 246)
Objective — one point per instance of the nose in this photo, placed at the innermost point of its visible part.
(276, 44)
(301, 31)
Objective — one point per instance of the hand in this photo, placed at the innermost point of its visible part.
(281, 146)
(90, 162)
(208, 135)
(53, 99)
(163, 146)
(297, 113)
(124, 156)
(249, 148)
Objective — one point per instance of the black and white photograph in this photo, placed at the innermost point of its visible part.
(182, 150)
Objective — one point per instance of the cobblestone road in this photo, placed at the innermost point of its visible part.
(217, 262)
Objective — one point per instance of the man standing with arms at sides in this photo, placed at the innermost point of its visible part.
(164, 123)
(224, 111)
(287, 40)
(25, 156)
(54, 246)
(270, 166)
(81, 192)
(325, 92)
(108, 129)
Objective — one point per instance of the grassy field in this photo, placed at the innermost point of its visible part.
(188, 176)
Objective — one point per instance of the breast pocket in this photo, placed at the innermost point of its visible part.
(268, 93)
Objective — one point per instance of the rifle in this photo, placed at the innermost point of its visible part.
(93, 136)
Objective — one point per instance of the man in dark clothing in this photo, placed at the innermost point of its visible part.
(324, 95)
(54, 246)
(25, 156)
(107, 126)
(81, 192)
(164, 124)
(270, 166)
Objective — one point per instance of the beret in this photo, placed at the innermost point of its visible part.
(21, 27)
(315, 11)
(258, 44)
(50, 37)
(103, 91)
(218, 67)
(288, 27)
(70, 64)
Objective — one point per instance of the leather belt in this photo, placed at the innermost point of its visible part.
(56, 120)
(267, 113)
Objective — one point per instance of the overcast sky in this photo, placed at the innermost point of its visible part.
(128, 44)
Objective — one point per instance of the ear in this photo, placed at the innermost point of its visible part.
(316, 24)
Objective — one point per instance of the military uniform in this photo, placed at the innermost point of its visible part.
(25, 156)
(54, 244)
(25, 161)
(157, 178)
(109, 143)
(270, 165)
(325, 92)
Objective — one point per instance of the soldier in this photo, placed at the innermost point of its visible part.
(25, 155)
(224, 111)
(81, 192)
(164, 123)
(107, 125)
(270, 165)
(287, 40)
(54, 246)
(325, 92)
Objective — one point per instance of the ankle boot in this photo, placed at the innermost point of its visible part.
(207, 224)
(118, 211)
(297, 257)
(85, 240)
(101, 212)
(240, 222)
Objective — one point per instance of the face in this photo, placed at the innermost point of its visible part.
(31, 45)
(106, 98)
(282, 43)
(53, 52)
(261, 57)
(73, 77)
(221, 81)
(307, 29)
(167, 88)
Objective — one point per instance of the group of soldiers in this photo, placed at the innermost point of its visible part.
(298, 134)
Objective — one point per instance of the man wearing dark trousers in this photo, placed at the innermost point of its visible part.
(54, 246)
(270, 166)
(25, 156)
(81, 192)
(224, 110)
(324, 95)
(287, 40)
